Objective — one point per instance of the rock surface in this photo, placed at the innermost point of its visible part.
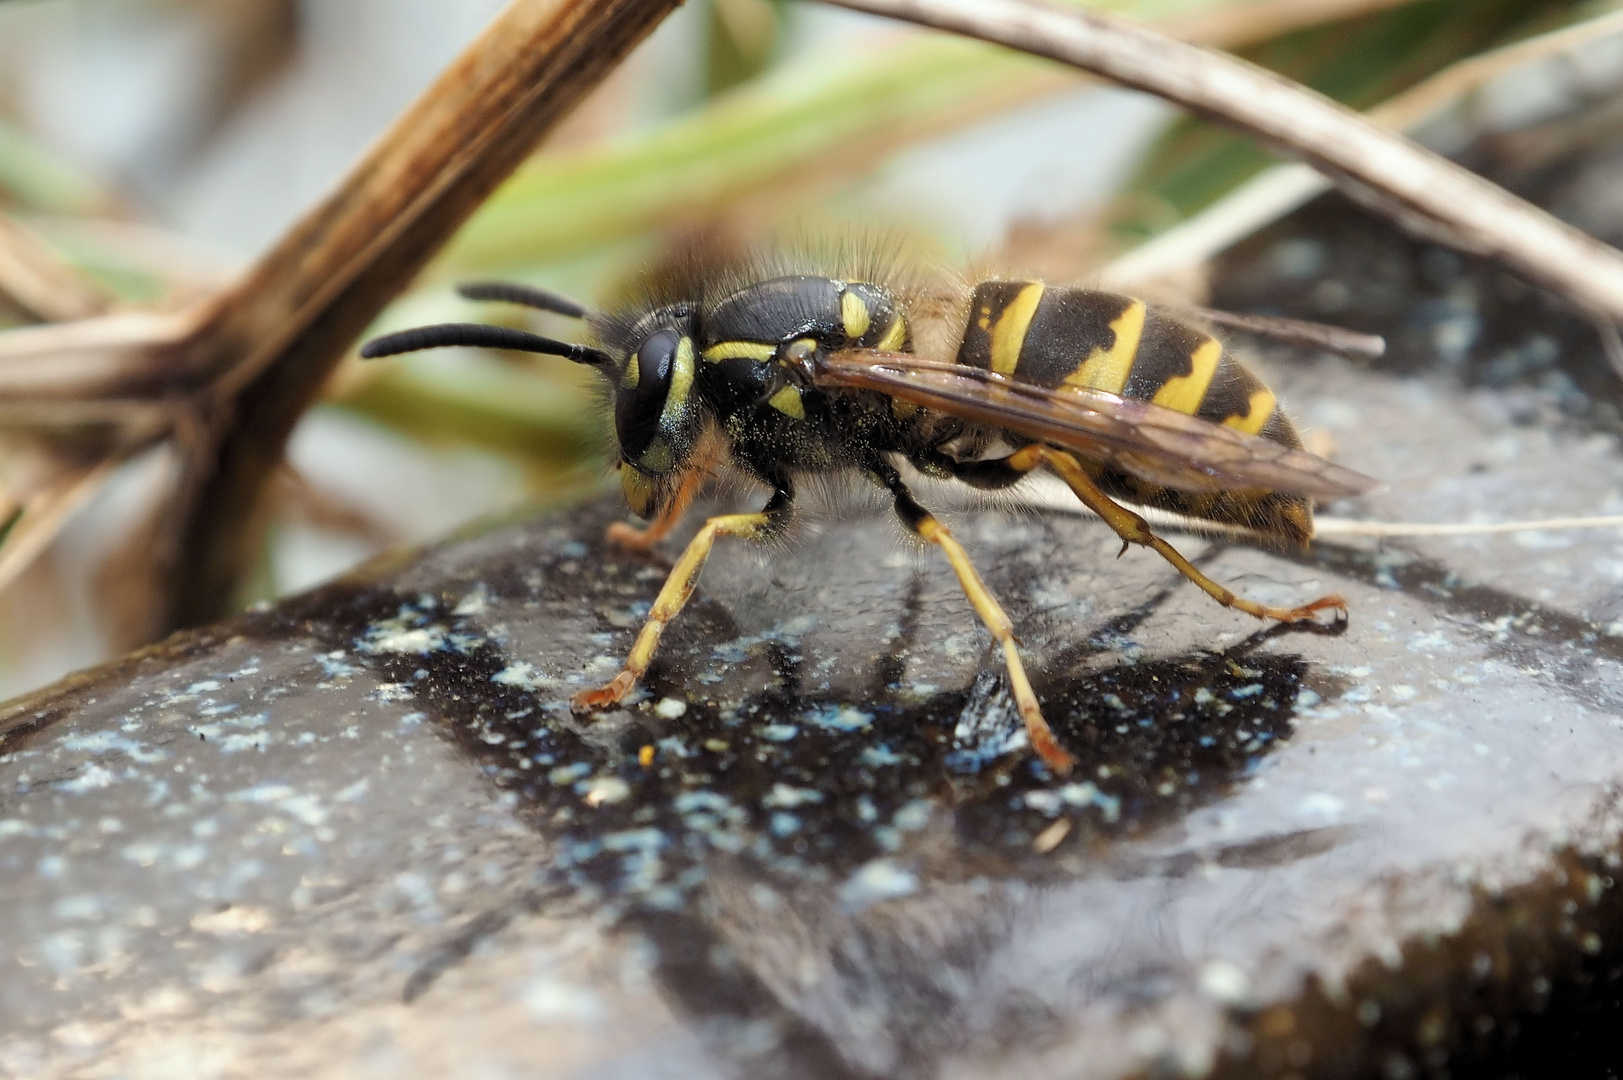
(360, 834)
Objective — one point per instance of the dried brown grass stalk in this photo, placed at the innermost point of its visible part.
(227, 379)
(1416, 188)
(35, 280)
(1280, 189)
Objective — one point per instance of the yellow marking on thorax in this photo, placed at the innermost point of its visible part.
(1009, 332)
(787, 401)
(733, 350)
(854, 315)
(1184, 393)
(903, 410)
(1107, 369)
(894, 337)
(1258, 412)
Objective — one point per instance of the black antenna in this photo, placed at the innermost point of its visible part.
(508, 292)
(481, 336)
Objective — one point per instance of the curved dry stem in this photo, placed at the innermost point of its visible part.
(272, 341)
(34, 279)
(1418, 189)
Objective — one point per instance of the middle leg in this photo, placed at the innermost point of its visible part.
(924, 524)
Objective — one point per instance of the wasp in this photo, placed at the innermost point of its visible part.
(785, 374)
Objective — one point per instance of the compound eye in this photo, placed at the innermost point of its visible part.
(644, 386)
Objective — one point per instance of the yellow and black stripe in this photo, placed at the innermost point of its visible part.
(1054, 337)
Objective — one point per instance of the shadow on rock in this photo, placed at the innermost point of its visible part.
(819, 879)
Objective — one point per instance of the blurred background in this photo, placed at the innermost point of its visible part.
(154, 148)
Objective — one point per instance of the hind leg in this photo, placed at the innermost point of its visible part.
(1132, 528)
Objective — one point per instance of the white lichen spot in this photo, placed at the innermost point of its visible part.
(670, 708)
(840, 718)
(784, 797)
(877, 757)
(353, 793)
(144, 853)
(237, 919)
(1322, 804)
(92, 778)
(551, 1001)
(606, 790)
(568, 774)
(524, 676)
(474, 603)
(400, 639)
(877, 880)
(914, 815)
(1432, 641)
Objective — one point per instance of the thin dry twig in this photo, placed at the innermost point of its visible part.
(1334, 526)
(43, 517)
(1420, 190)
(1277, 191)
(108, 357)
(35, 280)
(1294, 331)
(270, 343)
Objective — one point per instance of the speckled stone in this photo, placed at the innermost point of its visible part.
(360, 833)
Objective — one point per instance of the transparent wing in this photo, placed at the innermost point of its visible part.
(1158, 444)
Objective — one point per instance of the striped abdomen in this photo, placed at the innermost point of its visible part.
(1078, 337)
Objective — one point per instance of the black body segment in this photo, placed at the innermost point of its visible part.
(1046, 335)
(774, 311)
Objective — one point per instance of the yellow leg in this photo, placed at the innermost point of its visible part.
(672, 598)
(1134, 530)
(634, 539)
(997, 621)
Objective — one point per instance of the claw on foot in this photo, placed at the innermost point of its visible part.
(603, 696)
(1307, 612)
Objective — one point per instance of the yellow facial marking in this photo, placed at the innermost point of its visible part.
(894, 336)
(732, 350)
(903, 410)
(633, 374)
(787, 401)
(1260, 411)
(1107, 369)
(681, 383)
(639, 490)
(658, 458)
(1184, 393)
(1009, 332)
(854, 314)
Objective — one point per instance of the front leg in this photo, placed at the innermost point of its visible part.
(679, 588)
(631, 538)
